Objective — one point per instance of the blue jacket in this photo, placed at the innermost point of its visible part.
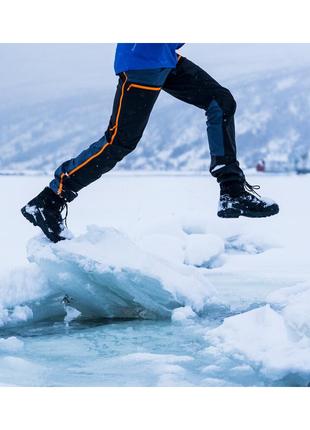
(139, 56)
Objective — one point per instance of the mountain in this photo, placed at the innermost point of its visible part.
(272, 122)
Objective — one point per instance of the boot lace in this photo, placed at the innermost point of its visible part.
(251, 188)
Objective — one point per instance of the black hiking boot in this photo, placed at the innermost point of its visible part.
(238, 199)
(44, 211)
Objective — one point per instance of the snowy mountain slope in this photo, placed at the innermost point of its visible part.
(272, 123)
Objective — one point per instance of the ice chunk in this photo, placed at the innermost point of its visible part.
(183, 313)
(262, 337)
(250, 243)
(21, 313)
(295, 304)
(22, 284)
(11, 344)
(71, 314)
(167, 369)
(108, 275)
(15, 315)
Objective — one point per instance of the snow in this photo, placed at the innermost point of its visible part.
(285, 83)
(210, 301)
(263, 337)
(167, 246)
(203, 249)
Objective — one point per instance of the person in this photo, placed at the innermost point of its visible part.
(144, 70)
(261, 166)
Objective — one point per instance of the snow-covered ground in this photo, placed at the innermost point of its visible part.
(208, 301)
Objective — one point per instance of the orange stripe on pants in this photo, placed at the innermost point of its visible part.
(60, 188)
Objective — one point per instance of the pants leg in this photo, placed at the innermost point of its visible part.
(132, 107)
(191, 84)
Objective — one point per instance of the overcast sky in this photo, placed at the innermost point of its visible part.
(40, 71)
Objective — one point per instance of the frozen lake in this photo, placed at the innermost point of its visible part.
(235, 293)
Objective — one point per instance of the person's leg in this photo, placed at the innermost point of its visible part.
(135, 96)
(191, 84)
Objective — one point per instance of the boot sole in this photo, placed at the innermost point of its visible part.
(235, 213)
(39, 222)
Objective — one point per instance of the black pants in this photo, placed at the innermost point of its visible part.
(136, 94)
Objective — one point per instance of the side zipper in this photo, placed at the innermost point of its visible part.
(143, 87)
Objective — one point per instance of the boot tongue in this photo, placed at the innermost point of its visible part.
(233, 188)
